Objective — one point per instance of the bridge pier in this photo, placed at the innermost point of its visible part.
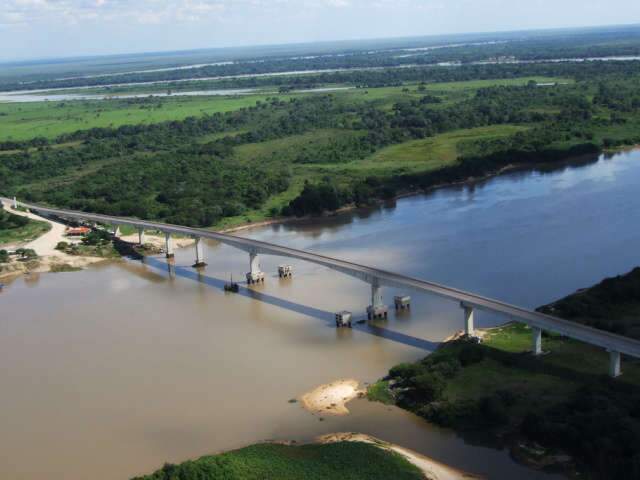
(377, 309)
(15, 203)
(468, 319)
(116, 230)
(199, 253)
(255, 275)
(536, 341)
(168, 245)
(614, 364)
(141, 238)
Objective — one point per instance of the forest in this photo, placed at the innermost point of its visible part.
(301, 154)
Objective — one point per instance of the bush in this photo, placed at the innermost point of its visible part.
(494, 410)
(4, 256)
(26, 253)
(405, 371)
(470, 354)
(62, 246)
(428, 386)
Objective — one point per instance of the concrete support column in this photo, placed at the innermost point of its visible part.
(536, 339)
(141, 238)
(614, 364)
(168, 245)
(468, 318)
(254, 275)
(254, 263)
(116, 230)
(15, 203)
(199, 253)
(376, 294)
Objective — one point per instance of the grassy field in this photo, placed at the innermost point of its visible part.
(30, 231)
(22, 121)
(413, 156)
(343, 461)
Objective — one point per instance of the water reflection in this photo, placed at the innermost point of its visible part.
(324, 315)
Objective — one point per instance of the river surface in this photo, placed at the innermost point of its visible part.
(58, 94)
(109, 372)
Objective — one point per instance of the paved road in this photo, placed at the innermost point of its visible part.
(606, 340)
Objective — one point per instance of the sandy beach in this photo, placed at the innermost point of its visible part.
(432, 469)
(332, 398)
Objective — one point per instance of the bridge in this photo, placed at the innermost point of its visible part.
(377, 278)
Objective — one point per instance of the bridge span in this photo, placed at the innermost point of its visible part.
(377, 278)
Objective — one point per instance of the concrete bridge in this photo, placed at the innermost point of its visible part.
(469, 302)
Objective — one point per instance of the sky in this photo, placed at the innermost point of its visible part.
(62, 28)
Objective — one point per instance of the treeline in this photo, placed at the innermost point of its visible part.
(426, 74)
(619, 41)
(610, 305)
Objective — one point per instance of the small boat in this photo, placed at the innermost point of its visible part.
(231, 286)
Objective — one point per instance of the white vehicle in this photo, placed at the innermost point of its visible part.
(343, 319)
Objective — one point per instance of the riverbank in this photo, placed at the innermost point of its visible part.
(556, 412)
(432, 469)
(327, 460)
(331, 456)
(50, 258)
(231, 225)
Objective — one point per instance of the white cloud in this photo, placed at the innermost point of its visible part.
(70, 27)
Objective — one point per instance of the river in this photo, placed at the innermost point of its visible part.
(58, 94)
(109, 372)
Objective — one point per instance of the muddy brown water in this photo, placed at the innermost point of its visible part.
(110, 372)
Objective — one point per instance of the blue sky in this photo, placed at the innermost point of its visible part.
(48, 28)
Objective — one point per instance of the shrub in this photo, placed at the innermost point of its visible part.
(4, 256)
(62, 246)
(470, 354)
(405, 371)
(428, 386)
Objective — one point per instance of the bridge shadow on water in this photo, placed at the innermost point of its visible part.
(324, 315)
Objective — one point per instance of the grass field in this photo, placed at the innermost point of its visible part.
(26, 233)
(408, 157)
(22, 121)
(568, 363)
(343, 461)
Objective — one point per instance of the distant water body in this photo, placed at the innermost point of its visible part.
(110, 372)
(57, 94)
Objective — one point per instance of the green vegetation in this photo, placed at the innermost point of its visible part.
(221, 161)
(98, 243)
(63, 267)
(543, 408)
(16, 228)
(379, 392)
(343, 460)
(48, 120)
(613, 305)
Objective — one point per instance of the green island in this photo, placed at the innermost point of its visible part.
(340, 460)
(558, 411)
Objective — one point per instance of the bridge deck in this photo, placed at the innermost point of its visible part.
(607, 340)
